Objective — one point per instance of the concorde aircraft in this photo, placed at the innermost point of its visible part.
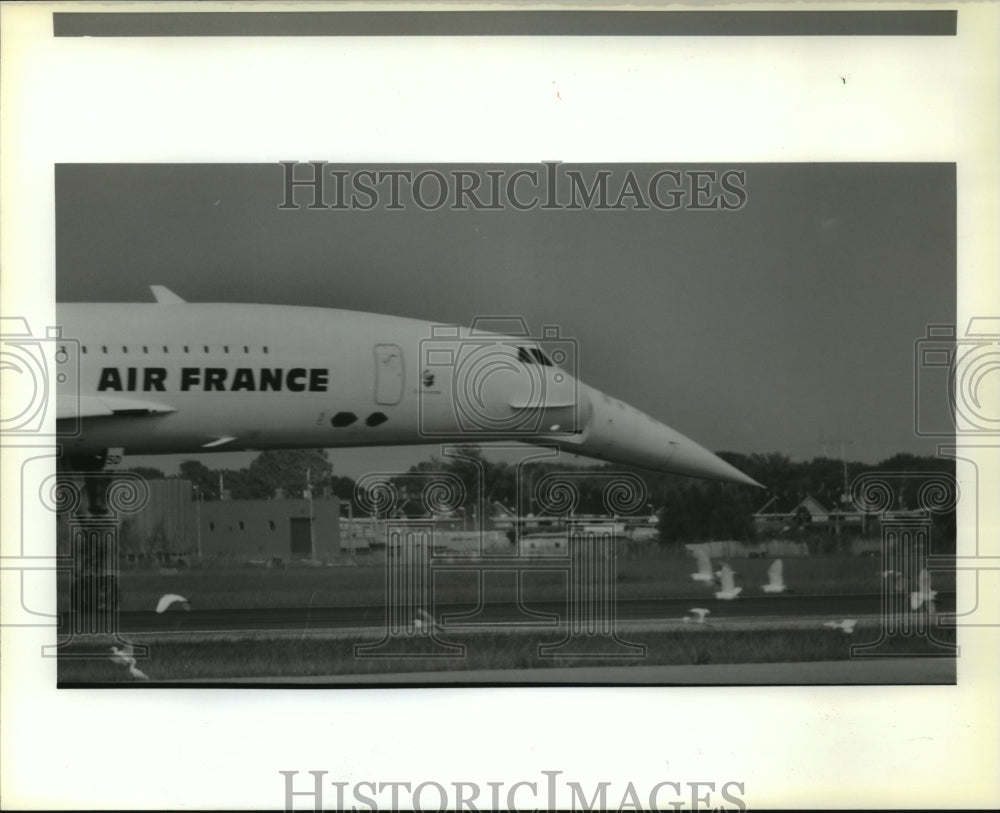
(180, 377)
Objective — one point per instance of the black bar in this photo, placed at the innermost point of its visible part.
(507, 23)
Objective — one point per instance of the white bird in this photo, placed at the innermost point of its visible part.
(729, 589)
(847, 625)
(169, 599)
(126, 657)
(425, 619)
(699, 612)
(923, 592)
(704, 573)
(775, 577)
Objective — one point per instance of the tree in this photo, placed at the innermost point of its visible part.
(204, 481)
(291, 470)
(148, 472)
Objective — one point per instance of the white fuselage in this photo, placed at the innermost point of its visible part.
(193, 377)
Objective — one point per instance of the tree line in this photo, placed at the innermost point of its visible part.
(688, 509)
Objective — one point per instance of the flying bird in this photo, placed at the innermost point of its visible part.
(729, 589)
(699, 615)
(171, 598)
(704, 573)
(775, 578)
(126, 657)
(847, 625)
(425, 619)
(923, 592)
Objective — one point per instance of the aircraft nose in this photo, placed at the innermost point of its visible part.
(690, 458)
(617, 432)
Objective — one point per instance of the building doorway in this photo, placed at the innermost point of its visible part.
(301, 533)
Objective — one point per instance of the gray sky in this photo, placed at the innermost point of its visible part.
(772, 328)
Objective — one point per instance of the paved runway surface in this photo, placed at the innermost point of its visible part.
(547, 614)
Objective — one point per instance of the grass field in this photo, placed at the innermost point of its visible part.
(275, 656)
(364, 585)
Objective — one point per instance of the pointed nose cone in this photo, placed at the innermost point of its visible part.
(697, 461)
(619, 433)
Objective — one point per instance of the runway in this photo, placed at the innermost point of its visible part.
(787, 607)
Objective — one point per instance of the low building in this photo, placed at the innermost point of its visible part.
(268, 530)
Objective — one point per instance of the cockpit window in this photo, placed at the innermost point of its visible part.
(532, 355)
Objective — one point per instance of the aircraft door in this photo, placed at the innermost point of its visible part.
(388, 374)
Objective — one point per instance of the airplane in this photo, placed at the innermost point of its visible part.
(181, 377)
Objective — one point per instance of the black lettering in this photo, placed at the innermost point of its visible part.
(576, 184)
(318, 380)
(190, 376)
(737, 189)
(698, 189)
(110, 380)
(243, 380)
(152, 379)
(294, 381)
(215, 379)
(130, 377)
(512, 189)
(630, 189)
(270, 379)
(365, 189)
(290, 183)
(676, 195)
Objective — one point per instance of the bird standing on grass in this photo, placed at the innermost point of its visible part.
(729, 589)
(424, 620)
(126, 657)
(775, 578)
(847, 625)
(171, 598)
(923, 592)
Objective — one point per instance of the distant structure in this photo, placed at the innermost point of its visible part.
(781, 514)
(262, 531)
(174, 529)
